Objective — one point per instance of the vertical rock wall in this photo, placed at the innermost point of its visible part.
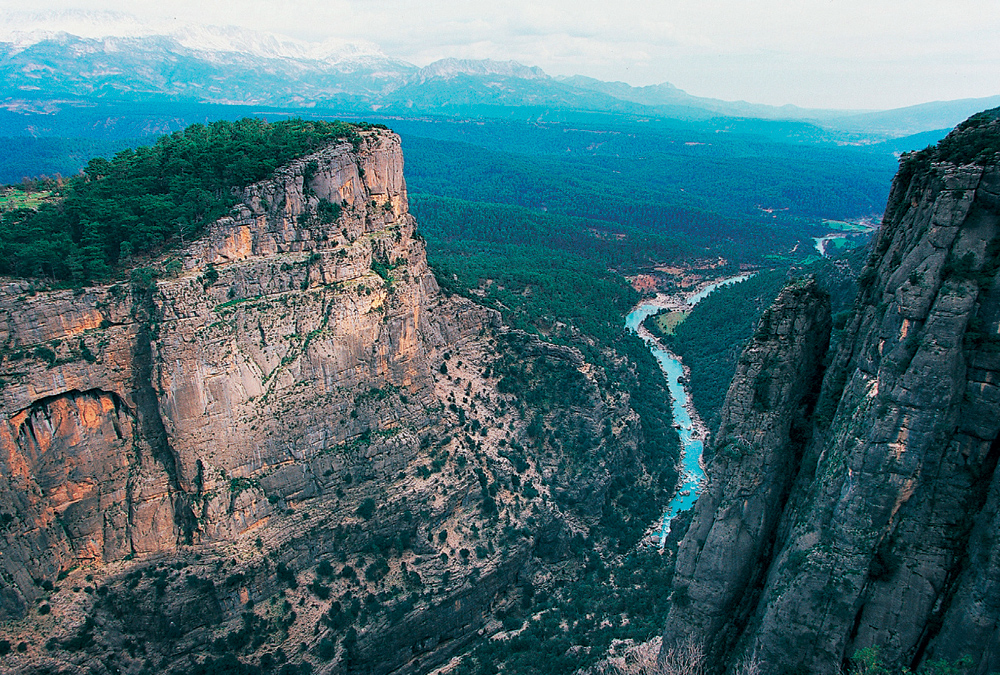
(287, 447)
(151, 414)
(755, 457)
(888, 536)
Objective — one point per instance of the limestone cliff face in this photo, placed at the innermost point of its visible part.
(235, 448)
(143, 416)
(758, 446)
(888, 537)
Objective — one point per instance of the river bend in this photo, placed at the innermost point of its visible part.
(692, 443)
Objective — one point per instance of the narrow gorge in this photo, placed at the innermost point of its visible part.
(852, 500)
(286, 446)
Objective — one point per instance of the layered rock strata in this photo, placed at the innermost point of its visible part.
(280, 444)
(143, 416)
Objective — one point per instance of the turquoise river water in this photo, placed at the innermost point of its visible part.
(692, 472)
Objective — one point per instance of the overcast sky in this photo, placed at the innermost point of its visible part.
(812, 53)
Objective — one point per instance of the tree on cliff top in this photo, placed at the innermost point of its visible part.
(149, 199)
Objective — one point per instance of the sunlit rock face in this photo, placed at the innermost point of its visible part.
(142, 418)
(283, 434)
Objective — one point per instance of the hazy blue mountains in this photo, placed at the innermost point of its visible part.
(46, 71)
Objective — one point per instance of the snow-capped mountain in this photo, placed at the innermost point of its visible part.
(52, 59)
(447, 69)
(111, 55)
(81, 56)
(233, 39)
(25, 29)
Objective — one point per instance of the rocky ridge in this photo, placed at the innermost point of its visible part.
(887, 538)
(281, 444)
(759, 443)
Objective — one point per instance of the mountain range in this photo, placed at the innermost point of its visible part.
(52, 61)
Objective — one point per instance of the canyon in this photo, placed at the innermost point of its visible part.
(282, 444)
(282, 447)
(851, 501)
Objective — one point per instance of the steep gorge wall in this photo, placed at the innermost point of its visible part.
(888, 535)
(760, 442)
(179, 452)
(143, 416)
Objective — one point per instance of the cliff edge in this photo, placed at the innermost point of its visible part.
(181, 407)
(887, 538)
(282, 446)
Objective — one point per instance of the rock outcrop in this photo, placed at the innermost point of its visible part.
(144, 416)
(888, 536)
(756, 452)
(280, 443)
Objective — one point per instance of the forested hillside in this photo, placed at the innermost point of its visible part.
(144, 199)
(739, 205)
(737, 187)
(28, 157)
(679, 167)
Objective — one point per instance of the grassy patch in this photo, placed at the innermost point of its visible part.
(14, 198)
(669, 321)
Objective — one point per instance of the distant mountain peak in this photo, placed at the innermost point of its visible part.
(271, 45)
(49, 57)
(24, 29)
(446, 69)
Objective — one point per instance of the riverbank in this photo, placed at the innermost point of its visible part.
(691, 428)
(699, 430)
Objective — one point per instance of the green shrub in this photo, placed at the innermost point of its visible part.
(319, 589)
(367, 509)
(328, 212)
(45, 354)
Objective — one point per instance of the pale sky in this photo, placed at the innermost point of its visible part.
(812, 53)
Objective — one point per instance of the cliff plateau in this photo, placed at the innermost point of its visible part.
(869, 519)
(282, 445)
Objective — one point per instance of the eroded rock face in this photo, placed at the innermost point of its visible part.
(888, 537)
(755, 456)
(140, 418)
(287, 446)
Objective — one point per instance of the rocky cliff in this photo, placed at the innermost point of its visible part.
(760, 441)
(887, 536)
(280, 444)
(147, 415)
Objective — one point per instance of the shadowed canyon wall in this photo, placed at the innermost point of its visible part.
(887, 534)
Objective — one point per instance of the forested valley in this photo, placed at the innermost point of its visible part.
(541, 222)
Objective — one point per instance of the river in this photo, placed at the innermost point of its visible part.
(695, 298)
(820, 242)
(691, 431)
